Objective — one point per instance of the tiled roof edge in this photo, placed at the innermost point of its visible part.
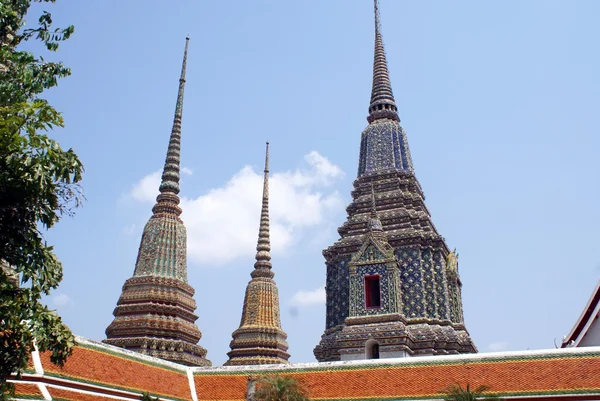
(482, 357)
(100, 346)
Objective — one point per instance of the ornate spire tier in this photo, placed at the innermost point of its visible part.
(383, 105)
(429, 318)
(155, 313)
(260, 340)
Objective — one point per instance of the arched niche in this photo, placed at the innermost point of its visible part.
(372, 349)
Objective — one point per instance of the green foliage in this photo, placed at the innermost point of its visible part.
(456, 392)
(38, 185)
(148, 397)
(7, 391)
(280, 388)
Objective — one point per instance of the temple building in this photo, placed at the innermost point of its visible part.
(155, 312)
(260, 340)
(392, 291)
(392, 287)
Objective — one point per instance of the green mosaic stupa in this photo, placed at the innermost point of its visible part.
(155, 312)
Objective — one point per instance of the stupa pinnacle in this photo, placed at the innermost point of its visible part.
(382, 104)
(155, 313)
(394, 292)
(259, 339)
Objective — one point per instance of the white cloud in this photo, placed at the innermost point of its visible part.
(222, 224)
(146, 189)
(129, 229)
(498, 346)
(61, 300)
(308, 298)
(327, 170)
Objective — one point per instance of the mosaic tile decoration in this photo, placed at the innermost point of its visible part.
(429, 293)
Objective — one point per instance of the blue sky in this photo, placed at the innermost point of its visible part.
(499, 101)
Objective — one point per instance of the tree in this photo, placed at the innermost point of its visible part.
(456, 392)
(279, 388)
(38, 185)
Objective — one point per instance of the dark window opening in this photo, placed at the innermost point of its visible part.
(375, 351)
(371, 349)
(372, 292)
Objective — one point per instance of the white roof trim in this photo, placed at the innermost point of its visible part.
(591, 320)
(406, 361)
(316, 365)
(588, 305)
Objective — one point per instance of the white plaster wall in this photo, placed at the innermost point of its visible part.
(352, 357)
(393, 354)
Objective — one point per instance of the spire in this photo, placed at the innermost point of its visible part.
(424, 295)
(262, 267)
(260, 339)
(168, 200)
(374, 222)
(382, 104)
(155, 314)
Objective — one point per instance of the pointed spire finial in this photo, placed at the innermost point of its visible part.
(179, 106)
(267, 158)
(262, 267)
(382, 104)
(168, 200)
(377, 18)
(374, 222)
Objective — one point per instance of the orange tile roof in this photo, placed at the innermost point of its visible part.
(103, 365)
(28, 391)
(515, 375)
(63, 394)
(111, 372)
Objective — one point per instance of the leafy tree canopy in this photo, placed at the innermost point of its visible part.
(456, 392)
(280, 388)
(38, 185)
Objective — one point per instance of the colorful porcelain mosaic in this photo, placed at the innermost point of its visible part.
(429, 294)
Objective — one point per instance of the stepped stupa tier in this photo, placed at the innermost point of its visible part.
(155, 312)
(260, 340)
(429, 318)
